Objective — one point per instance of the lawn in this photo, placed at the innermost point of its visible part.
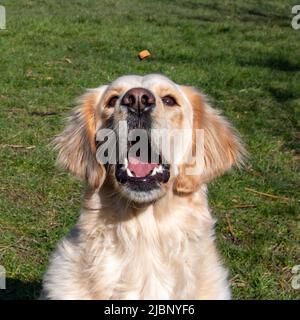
(244, 55)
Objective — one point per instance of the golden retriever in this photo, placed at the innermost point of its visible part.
(145, 230)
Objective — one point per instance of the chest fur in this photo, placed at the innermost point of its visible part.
(145, 259)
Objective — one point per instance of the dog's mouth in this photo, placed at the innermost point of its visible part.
(136, 170)
(142, 175)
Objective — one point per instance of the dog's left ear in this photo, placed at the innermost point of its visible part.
(222, 145)
(76, 145)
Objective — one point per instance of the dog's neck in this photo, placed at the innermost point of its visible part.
(115, 209)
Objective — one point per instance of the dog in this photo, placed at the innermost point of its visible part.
(145, 230)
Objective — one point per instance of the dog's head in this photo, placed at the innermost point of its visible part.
(139, 135)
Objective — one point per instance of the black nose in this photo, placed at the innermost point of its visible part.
(138, 100)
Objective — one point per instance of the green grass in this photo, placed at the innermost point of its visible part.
(244, 55)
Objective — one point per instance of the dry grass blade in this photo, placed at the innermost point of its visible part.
(230, 229)
(268, 195)
(16, 146)
(43, 113)
(244, 206)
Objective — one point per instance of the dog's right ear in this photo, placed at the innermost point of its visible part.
(76, 145)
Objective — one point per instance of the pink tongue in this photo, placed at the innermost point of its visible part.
(140, 168)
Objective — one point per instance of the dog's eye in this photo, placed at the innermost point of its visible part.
(112, 101)
(169, 101)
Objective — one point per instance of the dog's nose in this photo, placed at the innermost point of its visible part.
(138, 100)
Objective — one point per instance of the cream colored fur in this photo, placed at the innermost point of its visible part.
(163, 250)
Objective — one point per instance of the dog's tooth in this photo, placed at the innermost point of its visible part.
(125, 163)
(160, 169)
(129, 173)
(154, 171)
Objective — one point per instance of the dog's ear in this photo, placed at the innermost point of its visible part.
(76, 145)
(222, 146)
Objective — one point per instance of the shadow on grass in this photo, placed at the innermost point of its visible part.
(21, 290)
(277, 62)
